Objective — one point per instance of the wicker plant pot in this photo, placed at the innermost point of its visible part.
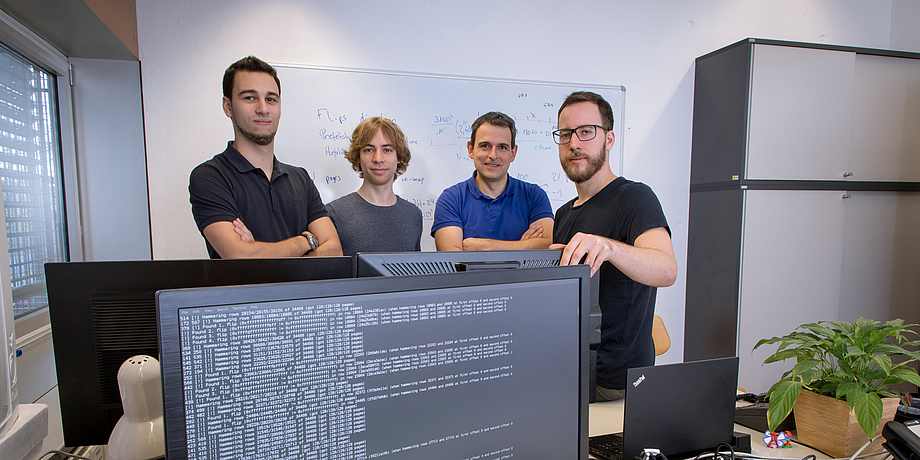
(829, 425)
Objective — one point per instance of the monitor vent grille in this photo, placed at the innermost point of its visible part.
(125, 325)
(419, 268)
(537, 263)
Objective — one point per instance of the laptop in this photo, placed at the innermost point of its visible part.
(679, 409)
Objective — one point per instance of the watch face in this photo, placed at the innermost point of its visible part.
(312, 240)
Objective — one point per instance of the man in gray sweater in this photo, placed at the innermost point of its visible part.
(374, 219)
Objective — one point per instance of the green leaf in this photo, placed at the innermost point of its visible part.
(842, 327)
(804, 365)
(763, 342)
(819, 330)
(870, 376)
(855, 352)
(844, 389)
(883, 362)
(890, 349)
(898, 323)
(797, 353)
(811, 375)
(782, 396)
(868, 409)
(888, 394)
(894, 350)
(823, 388)
(904, 375)
(795, 338)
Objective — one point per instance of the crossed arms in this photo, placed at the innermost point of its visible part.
(233, 240)
(538, 236)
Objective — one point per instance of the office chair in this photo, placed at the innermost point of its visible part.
(660, 336)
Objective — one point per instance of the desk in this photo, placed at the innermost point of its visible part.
(607, 417)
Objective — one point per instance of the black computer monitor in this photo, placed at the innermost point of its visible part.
(466, 365)
(103, 313)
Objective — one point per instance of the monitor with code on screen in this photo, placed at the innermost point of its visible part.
(464, 365)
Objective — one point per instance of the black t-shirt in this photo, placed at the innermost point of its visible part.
(229, 186)
(622, 211)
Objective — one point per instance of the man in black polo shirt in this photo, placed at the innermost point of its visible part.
(618, 228)
(247, 203)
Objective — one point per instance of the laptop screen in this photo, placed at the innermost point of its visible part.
(438, 366)
(680, 408)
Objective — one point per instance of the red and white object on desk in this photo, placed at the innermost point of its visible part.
(138, 435)
(778, 440)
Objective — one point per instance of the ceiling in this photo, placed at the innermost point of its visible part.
(71, 26)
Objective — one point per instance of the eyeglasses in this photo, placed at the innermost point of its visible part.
(584, 133)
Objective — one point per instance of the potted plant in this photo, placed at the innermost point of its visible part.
(851, 362)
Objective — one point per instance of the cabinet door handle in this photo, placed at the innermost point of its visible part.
(845, 196)
(848, 174)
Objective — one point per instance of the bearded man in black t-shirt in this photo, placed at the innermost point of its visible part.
(618, 228)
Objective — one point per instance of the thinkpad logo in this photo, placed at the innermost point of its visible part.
(638, 381)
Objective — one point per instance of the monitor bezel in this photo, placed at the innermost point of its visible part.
(169, 302)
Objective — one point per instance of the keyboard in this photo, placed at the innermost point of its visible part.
(607, 447)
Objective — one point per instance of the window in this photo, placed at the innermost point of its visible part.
(30, 176)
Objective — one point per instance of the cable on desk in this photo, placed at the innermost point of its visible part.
(731, 452)
(65, 454)
(718, 454)
(864, 446)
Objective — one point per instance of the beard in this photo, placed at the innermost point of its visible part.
(594, 164)
(260, 139)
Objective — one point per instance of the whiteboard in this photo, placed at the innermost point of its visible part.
(321, 106)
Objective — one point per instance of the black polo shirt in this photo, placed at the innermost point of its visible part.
(229, 186)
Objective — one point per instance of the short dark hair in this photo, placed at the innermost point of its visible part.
(363, 134)
(597, 99)
(493, 118)
(248, 64)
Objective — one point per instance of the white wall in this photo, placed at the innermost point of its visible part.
(649, 47)
(905, 33)
(111, 164)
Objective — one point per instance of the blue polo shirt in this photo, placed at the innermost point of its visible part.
(505, 218)
(229, 186)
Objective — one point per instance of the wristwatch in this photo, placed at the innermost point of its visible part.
(310, 239)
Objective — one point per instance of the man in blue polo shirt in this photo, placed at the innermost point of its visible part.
(492, 210)
(247, 203)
